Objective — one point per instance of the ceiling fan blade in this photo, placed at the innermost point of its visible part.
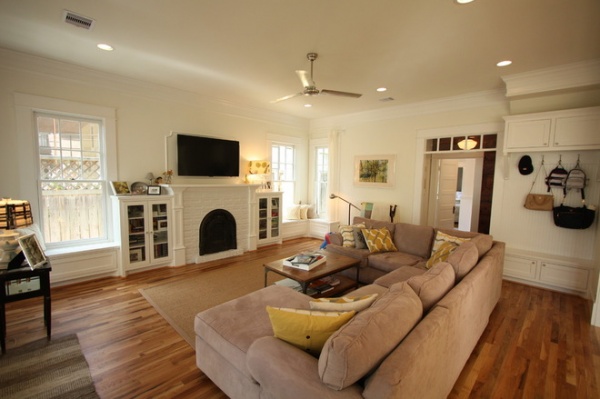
(287, 97)
(305, 79)
(340, 93)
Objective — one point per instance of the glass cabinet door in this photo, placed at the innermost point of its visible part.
(262, 218)
(275, 217)
(137, 233)
(160, 231)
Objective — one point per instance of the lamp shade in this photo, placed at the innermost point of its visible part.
(14, 214)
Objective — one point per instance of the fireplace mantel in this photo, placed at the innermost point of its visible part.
(193, 201)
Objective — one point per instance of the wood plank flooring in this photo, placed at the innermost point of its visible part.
(538, 344)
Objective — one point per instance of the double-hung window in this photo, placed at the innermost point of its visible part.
(283, 158)
(72, 179)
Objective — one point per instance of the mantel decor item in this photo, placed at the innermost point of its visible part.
(14, 214)
(154, 190)
(139, 188)
(374, 170)
(120, 187)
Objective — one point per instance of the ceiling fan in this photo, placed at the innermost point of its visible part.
(310, 88)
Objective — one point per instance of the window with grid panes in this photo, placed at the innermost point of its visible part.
(71, 178)
(283, 158)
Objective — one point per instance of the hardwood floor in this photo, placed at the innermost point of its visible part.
(538, 343)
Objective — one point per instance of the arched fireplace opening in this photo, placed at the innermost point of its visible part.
(217, 232)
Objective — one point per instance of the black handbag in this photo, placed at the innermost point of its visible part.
(573, 218)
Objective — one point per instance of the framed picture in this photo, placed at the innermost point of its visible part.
(120, 187)
(32, 250)
(375, 170)
(154, 190)
(135, 255)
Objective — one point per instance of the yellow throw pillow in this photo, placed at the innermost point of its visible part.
(441, 238)
(344, 303)
(442, 253)
(379, 240)
(306, 329)
(347, 233)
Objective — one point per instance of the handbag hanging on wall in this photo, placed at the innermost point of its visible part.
(539, 202)
(574, 217)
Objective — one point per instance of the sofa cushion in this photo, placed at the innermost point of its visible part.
(432, 285)
(344, 303)
(378, 240)
(399, 275)
(390, 261)
(362, 343)
(375, 224)
(347, 233)
(463, 259)
(306, 329)
(414, 239)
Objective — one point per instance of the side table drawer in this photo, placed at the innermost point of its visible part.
(22, 285)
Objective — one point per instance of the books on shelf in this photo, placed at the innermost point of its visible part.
(305, 261)
(324, 284)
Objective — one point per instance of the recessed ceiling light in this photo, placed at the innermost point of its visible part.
(381, 89)
(307, 105)
(504, 63)
(463, 1)
(105, 47)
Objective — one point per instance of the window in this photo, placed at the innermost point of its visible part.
(72, 188)
(283, 158)
(321, 180)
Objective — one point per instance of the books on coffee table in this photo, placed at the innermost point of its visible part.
(305, 261)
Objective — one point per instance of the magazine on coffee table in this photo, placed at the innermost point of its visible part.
(305, 260)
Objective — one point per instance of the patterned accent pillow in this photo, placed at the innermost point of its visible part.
(440, 238)
(359, 239)
(441, 254)
(306, 329)
(379, 240)
(347, 233)
(344, 303)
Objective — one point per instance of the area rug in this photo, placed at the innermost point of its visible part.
(46, 369)
(180, 301)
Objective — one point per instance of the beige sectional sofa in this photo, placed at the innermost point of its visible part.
(412, 342)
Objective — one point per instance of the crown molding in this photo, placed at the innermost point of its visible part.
(447, 104)
(563, 77)
(75, 74)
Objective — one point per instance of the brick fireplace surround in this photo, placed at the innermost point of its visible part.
(193, 202)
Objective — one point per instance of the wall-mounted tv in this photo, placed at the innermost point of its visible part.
(207, 156)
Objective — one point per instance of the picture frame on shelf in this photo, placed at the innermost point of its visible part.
(120, 187)
(375, 170)
(135, 255)
(154, 190)
(32, 250)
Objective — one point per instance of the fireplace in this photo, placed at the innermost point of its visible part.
(217, 232)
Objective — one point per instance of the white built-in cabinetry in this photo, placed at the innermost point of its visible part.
(575, 129)
(145, 231)
(548, 271)
(269, 217)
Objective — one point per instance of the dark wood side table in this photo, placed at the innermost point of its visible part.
(23, 273)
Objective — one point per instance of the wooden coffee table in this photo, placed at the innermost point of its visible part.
(335, 263)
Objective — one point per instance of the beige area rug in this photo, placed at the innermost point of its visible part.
(180, 301)
(46, 370)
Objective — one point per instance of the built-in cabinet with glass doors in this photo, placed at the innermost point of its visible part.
(269, 217)
(145, 231)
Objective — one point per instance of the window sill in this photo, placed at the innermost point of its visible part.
(58, 252)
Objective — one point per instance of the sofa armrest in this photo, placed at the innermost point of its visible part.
(284, 371)
(336, 238)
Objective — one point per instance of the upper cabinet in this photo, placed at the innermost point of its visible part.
(576, 129)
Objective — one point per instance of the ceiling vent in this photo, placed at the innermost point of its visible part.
(386, 99)
(78, 20)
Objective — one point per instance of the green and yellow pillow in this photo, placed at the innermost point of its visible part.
(344, 303)
(443, 245)
(379, 240)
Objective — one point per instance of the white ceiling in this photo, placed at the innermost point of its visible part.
(245, 52)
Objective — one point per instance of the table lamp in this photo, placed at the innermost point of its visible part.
(14, 214)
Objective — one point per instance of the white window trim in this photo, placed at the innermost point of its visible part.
(314, 143)
(25, 107)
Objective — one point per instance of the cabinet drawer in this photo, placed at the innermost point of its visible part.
(520, 267)
(564, 276)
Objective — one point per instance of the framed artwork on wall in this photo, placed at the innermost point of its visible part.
(375, 170)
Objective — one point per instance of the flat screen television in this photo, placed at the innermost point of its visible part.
(207, 156)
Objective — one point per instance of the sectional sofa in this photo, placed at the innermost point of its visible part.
(411, 342)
